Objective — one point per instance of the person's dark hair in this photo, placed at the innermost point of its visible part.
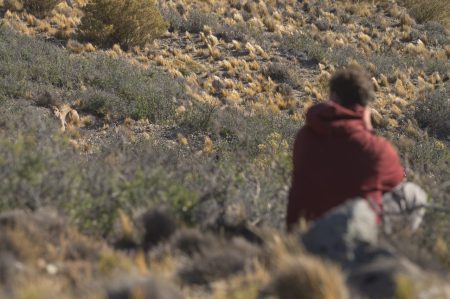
(352, 86)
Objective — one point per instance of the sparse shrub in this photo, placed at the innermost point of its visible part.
(125, 22)
(284, 89)
(299, 45)
(96, 102)
(433, 112)
(436, 33)
(173, 18)
(219, 262)
(283, 73)
(198, 118)
(387, 62)
(429, 10)
(425, 156)
(239, 32)
(13, 5)
(246, 133)
(274, 150)
(104, 85)
(278, 72)
(197, 20)
(40, 8)
(192, 241)
(193, 22)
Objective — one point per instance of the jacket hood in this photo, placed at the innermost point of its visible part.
(331, 118)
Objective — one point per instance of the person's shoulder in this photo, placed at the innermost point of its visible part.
(304, 132)
(383, 148)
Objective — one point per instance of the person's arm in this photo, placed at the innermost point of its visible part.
(391, 172)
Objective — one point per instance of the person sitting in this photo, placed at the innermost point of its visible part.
(337, 155)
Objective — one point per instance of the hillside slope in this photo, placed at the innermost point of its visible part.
(202, 121)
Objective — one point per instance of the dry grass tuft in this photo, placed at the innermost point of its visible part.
(308, 277)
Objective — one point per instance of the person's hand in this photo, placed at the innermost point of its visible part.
(367, 119)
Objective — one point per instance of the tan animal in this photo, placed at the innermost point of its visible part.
(67, 116)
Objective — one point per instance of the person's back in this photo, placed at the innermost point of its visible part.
(336, 154)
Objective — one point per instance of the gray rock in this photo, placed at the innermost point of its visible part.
(404, 208)
(339, 234)
(375, 274)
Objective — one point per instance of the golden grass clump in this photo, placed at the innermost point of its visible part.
(74, 47)
(127, 23)
(308, 277)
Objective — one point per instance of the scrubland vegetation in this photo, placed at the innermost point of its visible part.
(193, 106)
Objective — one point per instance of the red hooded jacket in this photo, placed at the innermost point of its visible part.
(337, 158)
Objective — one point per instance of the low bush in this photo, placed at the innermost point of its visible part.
(31, 67)
(429, 10)
(13, 5)
(173, 19)
(40, 8)
(433, 112)
(436, 33)
(300, 45)
(278, 72)
(283, 72)
(194, 22)
(197, 20)
(128, 23)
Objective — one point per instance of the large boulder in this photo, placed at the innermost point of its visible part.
(348, 235)
(338, 235)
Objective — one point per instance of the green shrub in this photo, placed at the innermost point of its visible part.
(40, 8)
(125, 22)
(31, 67)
